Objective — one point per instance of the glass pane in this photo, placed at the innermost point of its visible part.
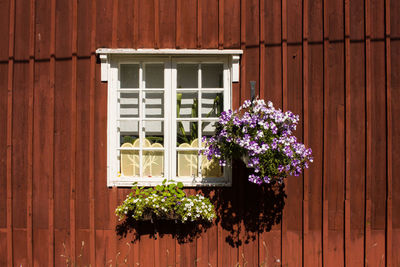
(153, 163)
(208, 129)
(129, 76)
(154, 105)
(212, 75)
(129, 105)
(154, 76)
(129, 133)
(210, 168)
(212, 104)
(187, 133)
(153, 134)
(129, 162)
(187, 76)
(186, 163)
(187, 105)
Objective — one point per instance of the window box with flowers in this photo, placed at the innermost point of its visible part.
(165, 202)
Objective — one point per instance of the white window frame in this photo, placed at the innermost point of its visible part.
(111, 59)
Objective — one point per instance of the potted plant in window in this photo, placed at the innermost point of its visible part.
(165, 202)
(262, 137)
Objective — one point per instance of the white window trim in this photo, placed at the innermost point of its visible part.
(110, 62)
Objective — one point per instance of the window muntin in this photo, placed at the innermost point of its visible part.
(164, 108)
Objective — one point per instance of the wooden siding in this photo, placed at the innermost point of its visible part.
(335, 63)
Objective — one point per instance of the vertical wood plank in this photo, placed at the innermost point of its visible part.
(313, 255)
(135, 23)
(395, 99)
(5, 42)
(376, 254)
(336, 134)
(389, 126)
(62, 130)
(347, 240)
(29, 203)
(124, 24)
(284, 21)
(356, 159)
(10, 86)
(221, 23)
(187, 37)
(178, 23)
(167, 24)
(284, 57)
(52, 75)
(367, 238)
(262, 49)
(210, 16)
(73, 129)
(146, 27)
(4, 59)
(156, 24)
(325, 217)
(43, 164)
(91, 136)
(199, 24)
(232, 32)
(306, 245)
(114, 23)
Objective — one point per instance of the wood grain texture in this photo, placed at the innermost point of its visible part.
(332, 62)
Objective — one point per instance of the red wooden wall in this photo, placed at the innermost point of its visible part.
(334, 62)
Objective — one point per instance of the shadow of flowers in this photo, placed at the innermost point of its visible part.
(246, 209)
(243, 210)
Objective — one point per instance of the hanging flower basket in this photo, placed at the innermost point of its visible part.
(165, 202)
(262, 137)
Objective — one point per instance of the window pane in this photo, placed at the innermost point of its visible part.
(212, 75)
(187, 105)
(186, 163)
(129, 105)
(129, 162)
(212, 104)
(187, 76)
(187, 133)
(154, 105)
(154, 75)
(153, 133)
(129, 76)
(208, 129)
(129, 132)
(153, 163)
(210, 168)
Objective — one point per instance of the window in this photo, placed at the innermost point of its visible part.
(160, 106)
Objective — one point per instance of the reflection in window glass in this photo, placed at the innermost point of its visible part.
(187, 133)
(129, 76)
(212, 75)
(187, 105)
(154, 76)
(186, 163)
(187, 76)
(154, 104)
(153, 132)
(212, 104)
(129, 105)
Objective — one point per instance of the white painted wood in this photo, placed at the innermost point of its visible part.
(104, 67)
(170, 117)
(235, 68)
(145, 51)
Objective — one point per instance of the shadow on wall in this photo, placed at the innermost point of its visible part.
(243, 210)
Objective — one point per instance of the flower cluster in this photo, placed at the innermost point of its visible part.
(166, 201)
(264, 135)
